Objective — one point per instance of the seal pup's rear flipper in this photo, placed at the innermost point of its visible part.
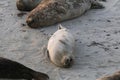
(60, 27)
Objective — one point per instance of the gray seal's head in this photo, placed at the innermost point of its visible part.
(48, 12)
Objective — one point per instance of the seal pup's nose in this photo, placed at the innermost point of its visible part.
(68, 62)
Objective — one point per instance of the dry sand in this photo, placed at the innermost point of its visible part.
(97, 35)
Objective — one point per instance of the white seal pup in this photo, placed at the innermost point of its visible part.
(61, 47)
(115, 76)
(50, 12)
(27, 5)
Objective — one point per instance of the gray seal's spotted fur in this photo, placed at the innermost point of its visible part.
(50, 12)
(27, 5)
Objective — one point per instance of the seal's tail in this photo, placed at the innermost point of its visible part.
(60, 27)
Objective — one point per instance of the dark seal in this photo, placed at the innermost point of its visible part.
(27, 5)
(13, 70)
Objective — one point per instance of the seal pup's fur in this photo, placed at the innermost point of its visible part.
(61, 47)
(13, 70)
(27, 5)
(50, 12)
(115, 76)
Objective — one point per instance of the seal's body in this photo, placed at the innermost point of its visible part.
(27, 5)
(13, 70)
(50, 12)
(61, 48)
(115, 76)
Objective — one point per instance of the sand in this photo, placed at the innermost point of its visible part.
(97, 34)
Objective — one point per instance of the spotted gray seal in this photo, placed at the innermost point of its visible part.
(61, 47)
(13, 70)
(50, 12)
(27, 5)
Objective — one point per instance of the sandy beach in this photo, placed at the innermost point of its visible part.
(97, 34)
